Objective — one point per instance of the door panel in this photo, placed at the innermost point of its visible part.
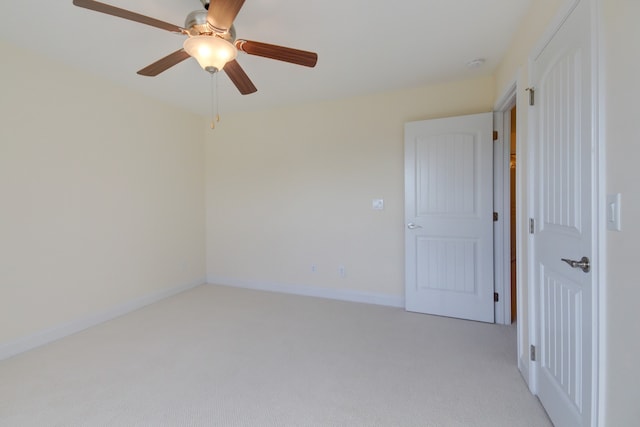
(443, 163)
(561, 355)
(564, 213)
(449, 264)
(448, 207)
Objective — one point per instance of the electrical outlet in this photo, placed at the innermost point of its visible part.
(342, 271)
(314, 268)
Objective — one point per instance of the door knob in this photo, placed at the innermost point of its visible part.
(582, 264)
(412, 226)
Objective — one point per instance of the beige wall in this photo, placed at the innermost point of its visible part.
(621, 72)
(293, 187)
(101, 196)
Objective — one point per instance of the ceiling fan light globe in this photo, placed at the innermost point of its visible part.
(211, 52)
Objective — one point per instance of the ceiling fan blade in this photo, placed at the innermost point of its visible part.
(164, 63)
(239, 77)
(286, 54)
(126, 14)
(222, 13)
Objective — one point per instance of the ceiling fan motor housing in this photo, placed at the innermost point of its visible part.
(196, 24)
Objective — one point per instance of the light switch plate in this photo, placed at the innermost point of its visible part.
(377, 204)
(613, 212)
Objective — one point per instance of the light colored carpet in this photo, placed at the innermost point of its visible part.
(218, 356)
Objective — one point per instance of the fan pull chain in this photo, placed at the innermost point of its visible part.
(213, 112)
(217, 100)
(215, 115)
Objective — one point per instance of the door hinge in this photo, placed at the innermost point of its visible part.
(532, 95)
(496, 297)
(532, 226)
(495, 135)
(495, 216)
(533, 353)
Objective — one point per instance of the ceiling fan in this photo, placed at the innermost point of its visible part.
(212, 41)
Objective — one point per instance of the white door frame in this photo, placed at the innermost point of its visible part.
(502, 203)
(502, 109)
(598, 206)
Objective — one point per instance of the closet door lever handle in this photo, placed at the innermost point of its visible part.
(583, 264)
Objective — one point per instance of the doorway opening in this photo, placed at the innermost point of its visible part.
(506, 207)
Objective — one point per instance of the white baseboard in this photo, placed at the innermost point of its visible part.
(38, 339)
(523, 366)
(310, 291)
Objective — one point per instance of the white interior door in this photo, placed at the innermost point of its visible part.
(564, 218)
(449, 217)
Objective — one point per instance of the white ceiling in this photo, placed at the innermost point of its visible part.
(364, 46)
